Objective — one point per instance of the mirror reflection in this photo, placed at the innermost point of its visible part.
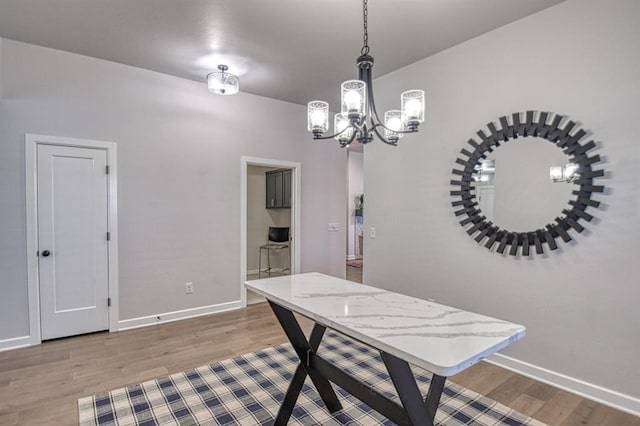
(524, 184)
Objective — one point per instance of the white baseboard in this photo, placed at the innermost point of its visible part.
(177, 315)
(587, 390)
(351, 257)
(15, 343)
(255, 271)
(253, 298)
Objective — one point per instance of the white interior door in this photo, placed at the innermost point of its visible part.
(72, 214)
(485, 200)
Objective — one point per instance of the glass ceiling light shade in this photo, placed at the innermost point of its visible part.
(223, 83)
(318, 116)
(393, 124)
(359, 119)
(354, 98)
(413, 107)
(342, 129)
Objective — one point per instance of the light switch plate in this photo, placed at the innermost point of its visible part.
(372, 232)
(333, 226)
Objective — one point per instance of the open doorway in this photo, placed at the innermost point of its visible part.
(355, 215)
(270, 221)
(268, 224)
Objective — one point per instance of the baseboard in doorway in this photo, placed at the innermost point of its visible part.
(357, 263)
(273, 270)
(15, 343)
(177, 315)
(253, 298)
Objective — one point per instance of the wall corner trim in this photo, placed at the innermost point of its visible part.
(161, 318)
(15, 343)
(609, 397)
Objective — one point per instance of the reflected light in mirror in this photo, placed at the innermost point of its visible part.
(555, 173)
(567, 173)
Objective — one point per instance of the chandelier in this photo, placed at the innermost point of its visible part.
(358, 119)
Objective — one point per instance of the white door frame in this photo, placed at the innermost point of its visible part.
(295, 214)
(31, 151)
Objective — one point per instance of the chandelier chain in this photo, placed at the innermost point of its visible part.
(365, 38)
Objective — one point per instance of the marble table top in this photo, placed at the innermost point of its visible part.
(438, 338)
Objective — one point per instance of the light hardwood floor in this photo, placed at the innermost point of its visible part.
(41, 384)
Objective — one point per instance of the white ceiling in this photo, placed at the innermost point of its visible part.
(293, 50)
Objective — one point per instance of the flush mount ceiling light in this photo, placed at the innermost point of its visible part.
(358, 119)
(223, 83)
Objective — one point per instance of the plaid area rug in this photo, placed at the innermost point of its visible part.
(248, 390)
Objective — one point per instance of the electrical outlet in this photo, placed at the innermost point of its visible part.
(372, 232)
(333, 227)
(188, 288)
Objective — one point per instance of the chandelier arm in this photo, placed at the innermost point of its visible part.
(351, 139)
(382, 138)
(317, 137)
(395, 131)
(372, 105)
(366, 75)
(355, 128)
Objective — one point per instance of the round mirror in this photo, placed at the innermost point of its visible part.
(527, 192)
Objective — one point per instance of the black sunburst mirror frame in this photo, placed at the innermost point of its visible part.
(547, 126)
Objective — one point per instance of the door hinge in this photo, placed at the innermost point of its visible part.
(107, 169)
(108, 301)
(108, 236)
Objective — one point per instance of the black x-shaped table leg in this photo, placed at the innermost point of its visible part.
(303, 348)
(419, 412)
(413, 411)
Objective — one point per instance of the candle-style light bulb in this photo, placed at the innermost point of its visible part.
(317, 118)
(352, 100)
(413, 108)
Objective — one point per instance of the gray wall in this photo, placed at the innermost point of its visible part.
(1, 67)
(179, 150)
(580, 303)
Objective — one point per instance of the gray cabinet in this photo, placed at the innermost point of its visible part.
(278, 189)
(286, 189)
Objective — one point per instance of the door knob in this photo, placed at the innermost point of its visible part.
(46, 253)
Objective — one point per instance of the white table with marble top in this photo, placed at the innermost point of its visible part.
(438, 338)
